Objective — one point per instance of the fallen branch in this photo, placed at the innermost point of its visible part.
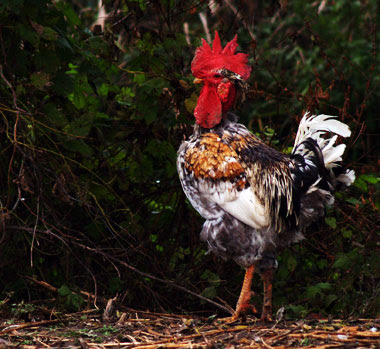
(29, 324)
(55, 289)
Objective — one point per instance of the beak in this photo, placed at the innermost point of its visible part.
(197, 81)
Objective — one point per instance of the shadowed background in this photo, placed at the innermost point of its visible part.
(94, 102)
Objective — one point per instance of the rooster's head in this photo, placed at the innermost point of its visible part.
(219, 70)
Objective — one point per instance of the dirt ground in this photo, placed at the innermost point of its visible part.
(137, 329)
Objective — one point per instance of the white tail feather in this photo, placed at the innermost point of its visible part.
(333, 155)
(347, 178)
(315, 126)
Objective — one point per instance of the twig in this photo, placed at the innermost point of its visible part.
(11, 88)
(29, 324)
(55, 289)
(34, 231)
(321, 6)
(203, 18)
(265, 344)
(186, 32)
(283, 335)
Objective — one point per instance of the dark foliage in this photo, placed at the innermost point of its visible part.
(95, 102)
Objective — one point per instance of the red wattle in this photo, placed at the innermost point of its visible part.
(227, 94)
(208, 111)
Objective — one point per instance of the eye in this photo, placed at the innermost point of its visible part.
(217, 75)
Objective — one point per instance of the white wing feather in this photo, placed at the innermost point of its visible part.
(247, 208)
(243, 205)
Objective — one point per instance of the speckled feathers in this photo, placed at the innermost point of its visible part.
(213, 159)
(252, 195)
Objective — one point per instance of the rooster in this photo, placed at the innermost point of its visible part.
(255, 199)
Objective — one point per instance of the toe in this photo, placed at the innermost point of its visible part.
(230, 319)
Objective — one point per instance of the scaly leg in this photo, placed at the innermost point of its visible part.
(243, 305)
(267, 277)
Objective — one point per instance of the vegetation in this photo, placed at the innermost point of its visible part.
(95, 102)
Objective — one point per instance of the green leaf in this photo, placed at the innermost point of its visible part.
(73, 69)
(139, 78)
(75, 300)
(353, 201)
(324, 285)
(288, 150)
(369, 178)
(79, 100)
(79, 146)
(159, 248)
(342, 262)
(101, 116)
(347, 234)
(210, 276)
(298, 310)
(69, 13)
(49, 34)
(269, 131)
(64, 291)
(322, 263)
(361, 184)
(142, 4)
(125, 97)
(103, 89)
(331, 221)
(209, 292)
(312, 291)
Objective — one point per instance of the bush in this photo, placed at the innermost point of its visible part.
(94, 105)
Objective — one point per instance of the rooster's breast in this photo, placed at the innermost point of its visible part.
(216, 182)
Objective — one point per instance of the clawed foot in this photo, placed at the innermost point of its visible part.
(243, 306)
(244, 309)
(265, 317)
(230, 319)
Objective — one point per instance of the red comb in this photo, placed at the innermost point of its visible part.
(209, 59)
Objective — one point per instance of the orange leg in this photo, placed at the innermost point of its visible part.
(243, 305)
(267, 277)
